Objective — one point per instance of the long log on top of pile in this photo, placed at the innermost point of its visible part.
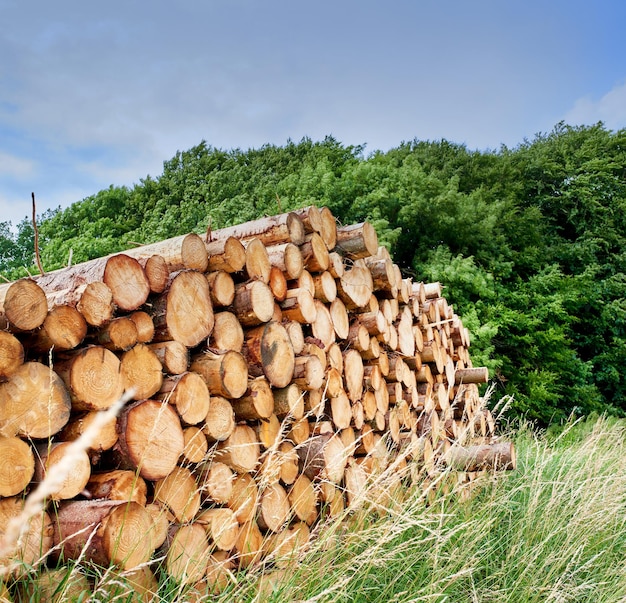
(279, 368)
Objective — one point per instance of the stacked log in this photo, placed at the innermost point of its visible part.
(278, 369)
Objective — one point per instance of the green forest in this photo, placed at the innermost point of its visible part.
(530, 242)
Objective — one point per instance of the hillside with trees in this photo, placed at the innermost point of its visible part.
(530, 242)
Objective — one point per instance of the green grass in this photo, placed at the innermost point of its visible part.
(553, 530)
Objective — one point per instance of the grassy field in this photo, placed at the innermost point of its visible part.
(553, 530)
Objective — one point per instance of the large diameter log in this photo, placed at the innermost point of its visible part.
(189, 394)
(272, 230)
(49, 455)
(355, 287)
(268, 352)
(93, 376)
(150, 438)
(104, 532)
(496, 457)
(24, 304)
(11, 354)
(222, 288)
(141, 371)
(240, 451)
(220, 420)
(221, 527)
(34, 402)
(178, 491)
(357, 240)
(253, 303)
(227, 333)
(17, 465)
(226, 374)
(119, 484)
(274, 508)
(33, 546)
(184, 312)
(187, 554)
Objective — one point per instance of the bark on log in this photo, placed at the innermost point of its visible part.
(253, 303)
(471, 375)
(256, 403)
(357, 240)
(273, 230)
(287, 258)
(497, 456)
(268, 352)
(119, 484)
(34, 403)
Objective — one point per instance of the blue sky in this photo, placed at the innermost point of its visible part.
(94, 94)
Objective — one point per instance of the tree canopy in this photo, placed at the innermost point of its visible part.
(530, 242)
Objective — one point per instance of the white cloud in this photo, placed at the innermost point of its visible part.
(610, 109)
(16, 167)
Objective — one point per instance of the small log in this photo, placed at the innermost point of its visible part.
(471, 375)
(303, 500)
(119, 484)
(240, 451)
(296, 335)
(287, 258)
(11, 354)
(323, 328)
(353, 374)
(227, 254)
(258, 265)
(256, 403)
(355, 287)
(274, 508)
(249, 545)
(288, 401)
(284, 548)
(189, 394)
(17, 467)
(150, 439)
(340, 410)
(184, 312)
(157, 272)
(253, 303)
(336, 266)
(357, 240)
(49, 455)
(497, 456)
(268, 431)
(222, 288)
(63, 329)
(24, 304)
(187, 555)
(105, 439)
(193, 254)
(215, 482)
(300, 307)
(227, 333)
(271, 230)
(328, 231)
(288, 463)
(308, 372)
(310, 218)
(119, 334)
(141, 371)
(278, 284)
(325, 287)
(244, 498)
(226, 374)
(196, 445)
(268, 352)
(54, 586)
(173, 356)
(104, 532)
(34, 402)
(221, 527)
(315, 253)
(300, 430)
(323, 456)
(144, 325)
(178, 491)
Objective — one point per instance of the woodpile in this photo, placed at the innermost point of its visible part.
(282, 371)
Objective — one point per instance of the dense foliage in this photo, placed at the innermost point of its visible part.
(530, 242)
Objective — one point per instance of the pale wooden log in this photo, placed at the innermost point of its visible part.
(268, 352)
(104, 439)
(11, 354)
(24, 305)
(193, 254)
(432, 290)
(355, 481)
(328, 229)
(308, 372)
(52, 586)
(157, 272)
(300, 308)
(285, 547)
(220, 420)
(240, 451)
(382, 398)
(49, 455)
(274, 508)
(397, 368)
(226, 374)
(296, 335)
(315, 253)
(323, 328)
(161, 519)
(357, 240)
(221, 287)
(496, 456)
(256, 403)
(334, 382)
(119, 334)
(249, 545)
(215, 481)
(359, 336)
(244, 498)
(134, 586)
(104, 532)
(373, 378)
(227, 333)
(17, 465)
(33, 546)
(340, 410)
(189, 394)
(272, 230)
(144, 325)
(119, 484)
(141, 372)
(303, 500)
(325, 287)
(355, 287)
(253, 303)
(335, 357)
(406, 339)
(287, 258)
(173, 356)
(221, 527)
(336, 266)
(178, 491)
(63, 329)
(268, 431)
(373, 351)
(383, 276)
(300, 430)
(313, 347)
(184, 312)
(353, 374)
(288, 463)
(471, 375)
(34, 402)
(258, 265)
(348, 438)
(278, 284)
(150, 438)
(218, 576)
(196, 445)
(187, 554)
(227, 254)
(369, 405)
(323, 456)
(288, 401)
(304, 281)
